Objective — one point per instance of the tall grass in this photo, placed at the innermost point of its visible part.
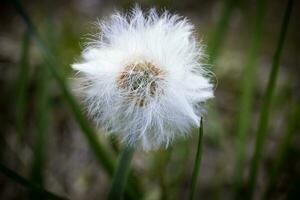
(104, 157)
(217, 37)
(42, 115)
(28, 184)
(266, 103)
(41, 133)
(293, 123)
(247, 93)
(215, 42)
(121, 174)
(123, 178)
(197, 162)
(22, 86)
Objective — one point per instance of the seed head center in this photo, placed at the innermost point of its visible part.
(140, 81)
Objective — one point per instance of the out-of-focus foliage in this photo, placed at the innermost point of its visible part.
(42, 141)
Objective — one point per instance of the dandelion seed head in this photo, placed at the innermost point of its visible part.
(142, 79)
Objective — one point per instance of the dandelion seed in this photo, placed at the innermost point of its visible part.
(141, 78)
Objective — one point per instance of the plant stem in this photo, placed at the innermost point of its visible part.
(286, 141)
(104, 157)
(101, 154)
(266, 103)
(22, 85)
(215, 41)
(247, 92)
(41, 133)
(26, 183)
(120, 176)
(197, 162)
(42, 114)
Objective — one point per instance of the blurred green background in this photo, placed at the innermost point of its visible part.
(41, 139)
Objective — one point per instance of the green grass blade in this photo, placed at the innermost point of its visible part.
(42, 114)
(266, 103)
(214, 47)
(292, 127)
(247, 93)
(162, 159)
(22, 85)
(215, 41)
(41, 133)
(28, 184)
(121, 174)
(197, 162)
(102, 155)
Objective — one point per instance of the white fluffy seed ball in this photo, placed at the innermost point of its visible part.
(142, 78)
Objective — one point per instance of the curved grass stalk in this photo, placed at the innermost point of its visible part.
(197, 164)
(22, 85)
(41, 133)
(281, 154)
(215, 41)
(41, 117)
(120, 176)
(247, 93)
(101, 154)
(104, 157)
(28, 184)
(266, 104)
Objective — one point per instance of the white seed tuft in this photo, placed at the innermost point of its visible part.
(141, 78)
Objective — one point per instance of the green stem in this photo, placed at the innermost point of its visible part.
(42, 114)
(162, 159)
(214, 47)
(286, 141)
(120, 176)
(41, 133)
(22, 84)
(215, 41)
(197, 162)
(247, 93)
(266, 103)
(26, 183)
(103, 156)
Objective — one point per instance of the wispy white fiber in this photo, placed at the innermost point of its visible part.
(142, 79)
